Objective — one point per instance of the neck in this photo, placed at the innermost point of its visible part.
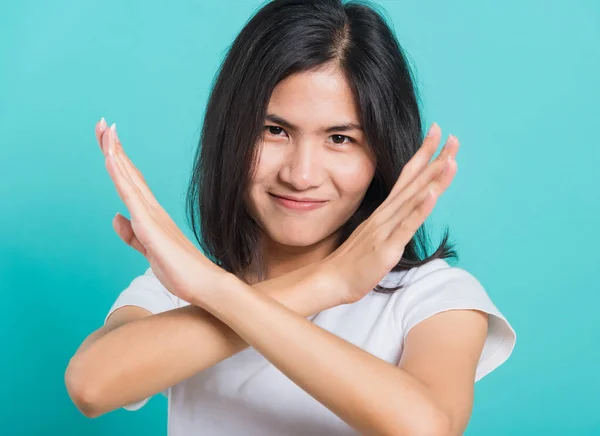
(279, 259)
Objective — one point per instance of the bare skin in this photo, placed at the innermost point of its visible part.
(414, 396)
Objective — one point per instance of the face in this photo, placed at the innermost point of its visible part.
(305, 154)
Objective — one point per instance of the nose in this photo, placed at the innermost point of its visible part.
(303, 166)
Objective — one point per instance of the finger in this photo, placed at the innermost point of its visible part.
(128, 168)
(438, 185)
(431, 172)
(110, 139)
(442, 183)
(128, 193)
(434, 189)
(99, 130)
(420, 207)
(433, 169)
(423, 156)
(123, 228)
(105, 141)
(404, 232)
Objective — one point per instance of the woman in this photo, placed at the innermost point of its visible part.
(315, 308)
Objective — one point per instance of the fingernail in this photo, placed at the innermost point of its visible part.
(433, 129)
(103, 123)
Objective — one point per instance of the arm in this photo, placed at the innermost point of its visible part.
(424, 397)
(128, 361)
(252, 314)
(442, 352)
(119, 317)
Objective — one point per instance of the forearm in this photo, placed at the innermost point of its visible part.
(146, 356)
(370, 394)
(94, 336)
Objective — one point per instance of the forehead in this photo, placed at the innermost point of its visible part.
(315, 99)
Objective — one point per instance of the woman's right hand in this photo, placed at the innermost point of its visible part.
(377, 244)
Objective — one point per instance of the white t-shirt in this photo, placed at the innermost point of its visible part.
(247, 395)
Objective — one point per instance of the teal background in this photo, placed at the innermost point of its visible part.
(516, 81)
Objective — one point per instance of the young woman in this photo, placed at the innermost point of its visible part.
(313, 307)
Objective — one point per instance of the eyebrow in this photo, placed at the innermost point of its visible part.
(339, 128)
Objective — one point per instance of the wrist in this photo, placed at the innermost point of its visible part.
(306, 290)
(221, 285)
(326, 278)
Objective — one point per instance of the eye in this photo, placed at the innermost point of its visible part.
(275, 130)
(342, 138)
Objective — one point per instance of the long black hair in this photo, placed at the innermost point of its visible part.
(282, 38)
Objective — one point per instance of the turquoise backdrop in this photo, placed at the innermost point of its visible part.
(516, 81)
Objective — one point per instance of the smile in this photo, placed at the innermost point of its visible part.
(297, 205)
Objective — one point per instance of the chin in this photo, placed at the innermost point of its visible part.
(294, 238)
(292, 241)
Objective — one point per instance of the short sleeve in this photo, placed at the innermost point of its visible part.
(148, 292)
(440, 287)
(145, 291)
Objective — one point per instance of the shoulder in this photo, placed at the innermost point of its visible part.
(146, 291)
(437, 287)
(437, 281)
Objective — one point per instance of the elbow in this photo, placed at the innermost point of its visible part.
(437, 424)
(79, 390)
(441, 425)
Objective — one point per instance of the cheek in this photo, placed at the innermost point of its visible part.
(353, 176)
(263, 177)
(269, 161)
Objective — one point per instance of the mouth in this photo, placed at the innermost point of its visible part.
(304, 205)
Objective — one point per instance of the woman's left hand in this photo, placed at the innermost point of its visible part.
(177, 263)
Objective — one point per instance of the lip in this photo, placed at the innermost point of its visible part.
(298, 204)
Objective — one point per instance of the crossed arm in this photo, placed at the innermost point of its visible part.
(429, 393)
